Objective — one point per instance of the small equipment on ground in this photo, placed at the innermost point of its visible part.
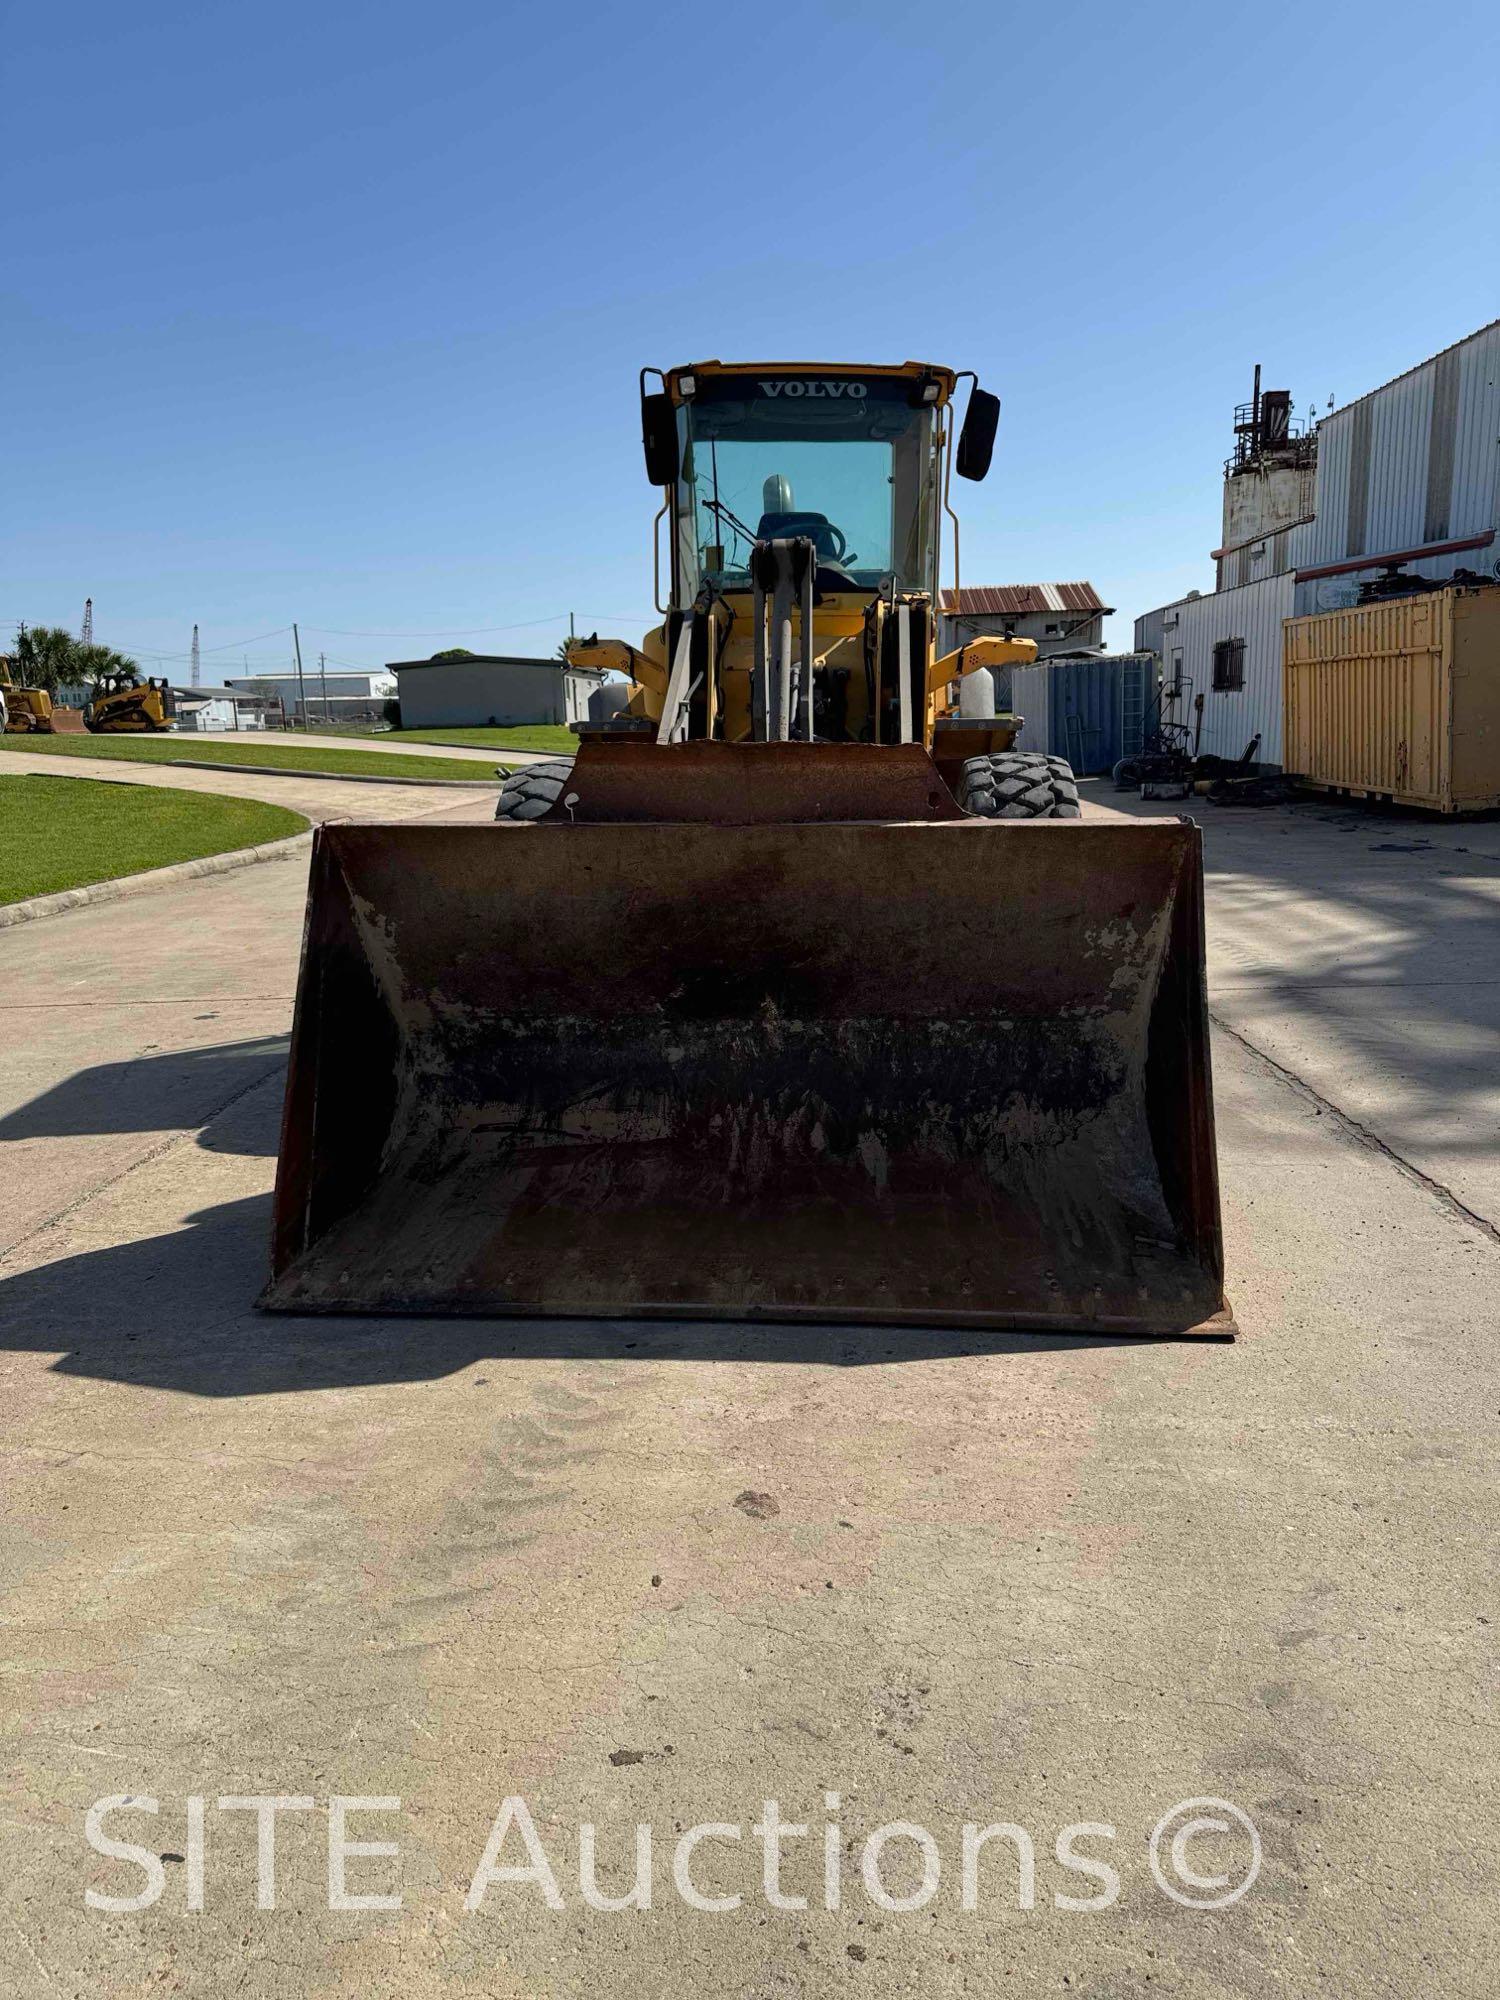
(29, 711)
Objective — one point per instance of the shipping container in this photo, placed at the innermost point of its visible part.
(1091, 711)
(1399, 700)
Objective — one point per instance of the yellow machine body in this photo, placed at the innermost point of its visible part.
(31, 711)
(124, 704)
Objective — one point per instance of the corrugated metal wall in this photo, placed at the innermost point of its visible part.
(1031, 699)
(1414, 462)
(1369, 692)
(1148, 632)
(1391, 478)
(1195, 626)
(470, 693)
(1400, 698)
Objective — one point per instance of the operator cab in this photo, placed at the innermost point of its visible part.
(846, 459)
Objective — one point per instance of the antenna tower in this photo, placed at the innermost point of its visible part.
(86, 636)
(193, 671)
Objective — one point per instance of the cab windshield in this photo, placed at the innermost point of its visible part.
(846, 462)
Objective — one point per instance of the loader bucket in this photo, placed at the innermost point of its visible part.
(948, 1074)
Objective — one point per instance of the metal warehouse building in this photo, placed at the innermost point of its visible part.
(491, 688)
(1228, 646)
(1407, 476)
(1409, 473)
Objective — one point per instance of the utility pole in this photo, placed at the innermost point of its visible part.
(301, 690)
(323, 676)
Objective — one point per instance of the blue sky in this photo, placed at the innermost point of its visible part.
(334, 312)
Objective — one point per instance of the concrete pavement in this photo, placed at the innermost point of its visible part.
(661, 1573)
(1361, 951)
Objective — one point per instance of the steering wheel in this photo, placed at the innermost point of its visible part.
(840, 540)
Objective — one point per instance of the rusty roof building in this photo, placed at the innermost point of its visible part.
(1023, 600)
(1060, 617)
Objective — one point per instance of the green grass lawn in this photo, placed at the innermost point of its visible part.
(306, 754)
(58, 833)
(524, 736)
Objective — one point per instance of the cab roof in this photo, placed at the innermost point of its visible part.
(891, 371)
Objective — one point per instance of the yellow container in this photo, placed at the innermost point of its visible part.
(1399, 700)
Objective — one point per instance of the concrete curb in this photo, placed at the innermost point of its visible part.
(330, 777)
(152, 878)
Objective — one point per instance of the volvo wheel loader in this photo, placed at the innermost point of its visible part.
(800, 993)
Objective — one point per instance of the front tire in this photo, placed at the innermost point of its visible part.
(528, 793)
(1019, 784)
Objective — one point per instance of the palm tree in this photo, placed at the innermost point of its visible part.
(44, 657)
(92, 663)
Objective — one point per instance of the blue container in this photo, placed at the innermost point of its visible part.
(1090, 710)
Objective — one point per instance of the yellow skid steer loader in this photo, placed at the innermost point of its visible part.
(125, 705)
(800, 993)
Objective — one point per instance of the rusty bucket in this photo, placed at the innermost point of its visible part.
(951, 1073)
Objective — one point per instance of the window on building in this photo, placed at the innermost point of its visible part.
(1229, 666)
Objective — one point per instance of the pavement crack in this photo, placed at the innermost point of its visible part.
(1361, 1134)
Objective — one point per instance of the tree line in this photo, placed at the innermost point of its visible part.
(47, 656)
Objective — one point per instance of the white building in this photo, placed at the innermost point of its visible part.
(1405, 478)
(343, 694)
(211, 708)
(491, 689)
(1226, 647)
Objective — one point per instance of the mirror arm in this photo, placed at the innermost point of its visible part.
(656, 555)
(950, 427)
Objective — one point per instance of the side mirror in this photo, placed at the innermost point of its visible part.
(976, 441)
(659, 436)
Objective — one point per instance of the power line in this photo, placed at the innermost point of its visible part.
(233, 645)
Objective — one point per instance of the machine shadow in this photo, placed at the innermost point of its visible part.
(179, 1089)
(176, 1312)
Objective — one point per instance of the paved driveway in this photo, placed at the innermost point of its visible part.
(660, 1574)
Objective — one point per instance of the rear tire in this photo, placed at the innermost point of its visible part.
(1019, 784)
(528, 793)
